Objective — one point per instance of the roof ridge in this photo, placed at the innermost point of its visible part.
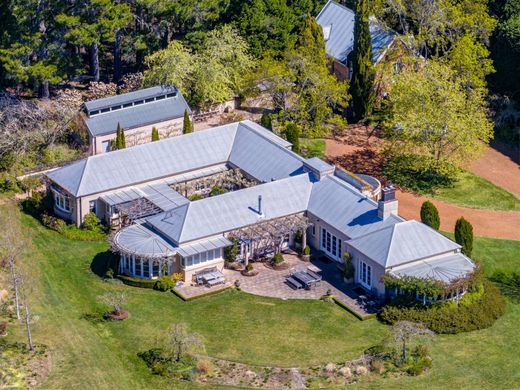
(390, 244)
(78, 192)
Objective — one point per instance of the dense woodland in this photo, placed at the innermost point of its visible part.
(456, 85)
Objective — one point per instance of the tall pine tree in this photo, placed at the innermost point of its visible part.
(155, 134)
(363, 74)
(187, 126)
(122, 141)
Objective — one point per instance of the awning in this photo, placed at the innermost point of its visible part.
(203, 246)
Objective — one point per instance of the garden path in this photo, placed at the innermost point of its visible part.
(361, 153)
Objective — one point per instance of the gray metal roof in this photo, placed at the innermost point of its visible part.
(137, 239)
(264, 157)
(141, 94)
(226, 212)
(143, 163)
(402, 243)
(340, 20)
(255, 150)
(445, 269)
(346, 209)
(159, 194)
(137, 116)
(203, 246)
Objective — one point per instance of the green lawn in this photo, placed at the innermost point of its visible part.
(475, 192)
(236, 326)
(312, 147)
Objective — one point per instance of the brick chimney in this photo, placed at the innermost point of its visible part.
(388, 204)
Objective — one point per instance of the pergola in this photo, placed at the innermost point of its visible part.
(133, 210)
(268, 236)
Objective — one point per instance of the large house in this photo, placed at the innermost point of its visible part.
(137, 112)
(338, 22)
(158, 196)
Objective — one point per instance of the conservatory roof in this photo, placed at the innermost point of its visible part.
(337, 22)
(445, 269)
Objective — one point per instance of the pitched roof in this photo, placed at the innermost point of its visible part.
(232, 210)
(346, 209)
(256, 150)
(147, 113)
(402, 243)
(339, 21)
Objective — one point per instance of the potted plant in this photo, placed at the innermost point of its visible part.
(348, 268)
(306, 253)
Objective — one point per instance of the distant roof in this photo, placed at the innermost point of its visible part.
(446, 268)
(243, 144)
(134, 96)
(337, 22)
(169, 105)
(402, 243)
(232, 210)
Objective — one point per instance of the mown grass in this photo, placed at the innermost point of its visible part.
(312, 147)
(475, 192)
(89, 353)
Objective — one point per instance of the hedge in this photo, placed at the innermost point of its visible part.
(476, 312)
(137, 282)
(351, 311)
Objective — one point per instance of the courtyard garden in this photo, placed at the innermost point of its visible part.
(89, 352)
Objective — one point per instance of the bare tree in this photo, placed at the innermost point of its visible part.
(405, 333)
(28, 318)
(12, 243)
(181, 342)
(114, 299)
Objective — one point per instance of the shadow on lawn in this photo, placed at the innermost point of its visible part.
(103, 262)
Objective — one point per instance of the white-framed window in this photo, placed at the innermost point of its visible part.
(62, 201)
(202, 257)
(365, 274)
(330, 244)
(92, 206)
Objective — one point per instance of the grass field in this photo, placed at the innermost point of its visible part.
(475, 192)
(312, 147)
(237, 326)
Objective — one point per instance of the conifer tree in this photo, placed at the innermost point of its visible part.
(122, 141)
(155, 134)
(363, 74)
(116, 144)
(464, 235)
(187, 125)
(292, 134)
(430, 215)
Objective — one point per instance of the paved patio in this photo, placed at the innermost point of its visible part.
(272, 283)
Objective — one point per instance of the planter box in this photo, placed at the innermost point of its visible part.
(306, 258)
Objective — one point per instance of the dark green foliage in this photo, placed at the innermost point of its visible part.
(162, 363)
(362, 84)
(278, 259)
(122, 141)
(155, 134)
(231, 252)
(194, 197)
(217, 190)
(480, 313)
(348, 270)
(71, 231)
(430, 215)
(164, 283)
(267, 120)
(92, 222)
(137, 282)
(187, 126)
(249, 267)
(307, 250)
(292, 134)
(119, 142)
(419, 173)
(464, 235)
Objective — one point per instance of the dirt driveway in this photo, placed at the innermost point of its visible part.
(361, 154)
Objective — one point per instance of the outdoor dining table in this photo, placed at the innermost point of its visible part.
(305, 278)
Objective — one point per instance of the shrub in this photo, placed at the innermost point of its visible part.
(348, 270)
(464, 235)
(430, 215)
(53, 222)
(161, 363)
(419, 173)
(377, 365)
(194, 197)
(449, 318)
(278, 259)
(330, 368)
(164, 283)
(249, 267)
(29, 183)
(56, 153)
(205, 367)
(92, 222)
(307, 250)
(292, 134)
(345, 372)
(217, 190)
(361, 370)
(267, 121)
(231, 252)
(136, 282)
(177, 277)
(187, 126)
(155, 134)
